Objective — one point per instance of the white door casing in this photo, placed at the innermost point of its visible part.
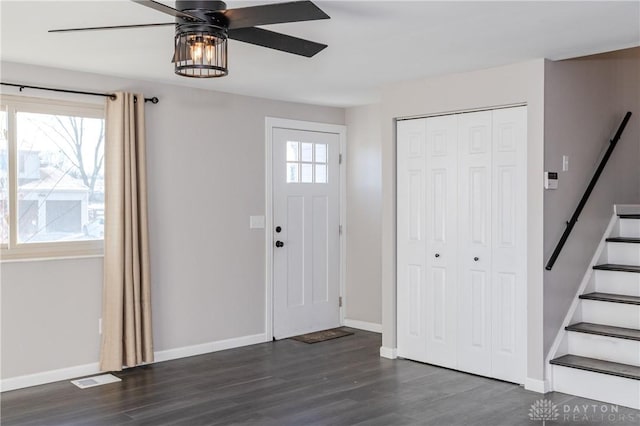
(306, 206)
(461, 183)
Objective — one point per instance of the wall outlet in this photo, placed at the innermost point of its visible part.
(565, 163)
(100, 326)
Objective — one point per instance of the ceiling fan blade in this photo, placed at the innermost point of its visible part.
(116, 27)
(168, 10)
(278, 13)
(277, 41)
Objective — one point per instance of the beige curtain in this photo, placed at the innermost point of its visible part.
(126, 308)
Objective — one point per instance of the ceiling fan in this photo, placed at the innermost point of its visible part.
(204, 26)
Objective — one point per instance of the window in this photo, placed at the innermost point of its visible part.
(306, 162)
(51, 178)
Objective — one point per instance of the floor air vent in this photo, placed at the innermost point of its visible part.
(89, 382)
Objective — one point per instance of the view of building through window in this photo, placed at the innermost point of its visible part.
(60, 178)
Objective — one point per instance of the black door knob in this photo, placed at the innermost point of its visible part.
(437, 254)
(476, 259)
(279, 244)
(278, 228)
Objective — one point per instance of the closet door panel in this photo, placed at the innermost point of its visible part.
(475, 230)
(441, 239)
(508, 244)
(461, 235)
(411, 239)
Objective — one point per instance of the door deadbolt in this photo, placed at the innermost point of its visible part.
(278, 229)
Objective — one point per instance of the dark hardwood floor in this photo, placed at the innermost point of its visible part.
(337, 382)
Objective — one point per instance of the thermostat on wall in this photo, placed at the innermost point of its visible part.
(550, 180)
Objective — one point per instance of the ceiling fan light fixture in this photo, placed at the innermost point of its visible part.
(204, 26)
(201, 54)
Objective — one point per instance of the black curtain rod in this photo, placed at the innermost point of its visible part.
(153, 100)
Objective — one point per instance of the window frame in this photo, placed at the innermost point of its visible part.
(313, 162)
(13, 250)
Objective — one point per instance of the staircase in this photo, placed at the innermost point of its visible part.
(598, 355)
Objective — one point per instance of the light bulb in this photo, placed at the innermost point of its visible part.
(196, 51)
(210, 50)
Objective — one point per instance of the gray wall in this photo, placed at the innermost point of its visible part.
(512, 84)
(50, 312)
(363, 286)
(585, 100)
(206, 177)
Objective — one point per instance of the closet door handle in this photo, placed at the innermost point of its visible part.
(437, 254)
(475, 259)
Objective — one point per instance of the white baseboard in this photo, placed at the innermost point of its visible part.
(35, 379)
(208, 347)
(363, 325)
(50, 376)
(535, 385)
(390, 353)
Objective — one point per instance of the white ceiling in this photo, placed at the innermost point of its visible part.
(371, 43)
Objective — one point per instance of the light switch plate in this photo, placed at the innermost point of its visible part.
(256, 222)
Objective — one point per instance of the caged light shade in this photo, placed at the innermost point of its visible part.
(201, 54)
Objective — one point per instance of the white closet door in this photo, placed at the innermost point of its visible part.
(441, 238)
(509, 244)
(411, 229)
(474, 283)
(461, 217)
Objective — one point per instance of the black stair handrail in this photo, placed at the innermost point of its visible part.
(587, 193)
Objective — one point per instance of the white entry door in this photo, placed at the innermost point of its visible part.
(306, 233)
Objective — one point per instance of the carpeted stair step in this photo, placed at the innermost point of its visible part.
(598, 366)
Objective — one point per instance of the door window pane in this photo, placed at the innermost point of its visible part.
(4, 179)
(292, 151)
(321, 153)
(60, 177)
(306, 173)
(307, 152)
(321, 173)
(292, 172)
